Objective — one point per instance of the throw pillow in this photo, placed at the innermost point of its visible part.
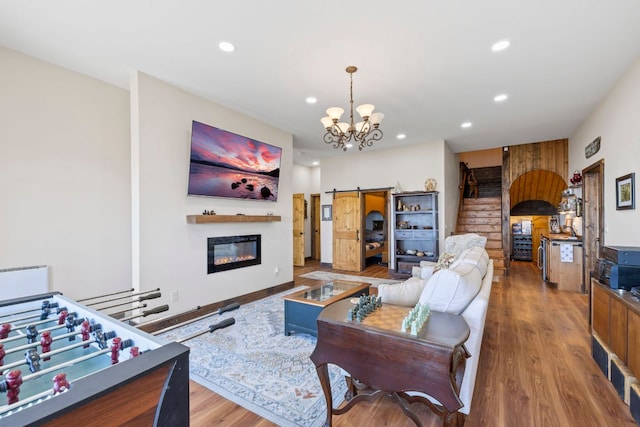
(451, 291)
(444, 261)
(405, 293)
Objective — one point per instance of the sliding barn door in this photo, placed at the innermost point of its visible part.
(347, 234)
(298, 230)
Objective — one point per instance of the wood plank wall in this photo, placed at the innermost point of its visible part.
(517, 160)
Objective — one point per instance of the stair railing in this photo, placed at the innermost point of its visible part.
(464, 173)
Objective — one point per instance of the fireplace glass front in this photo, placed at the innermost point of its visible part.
(228, 253)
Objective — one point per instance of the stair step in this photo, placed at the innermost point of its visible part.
(480, 220)
(493, 244)
(480, 228)
(480, 214)
(484, 201)
(495, 252)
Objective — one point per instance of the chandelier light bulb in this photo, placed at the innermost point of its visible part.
(376, 118)
(335, 112)
(365, 110)
(326, 122)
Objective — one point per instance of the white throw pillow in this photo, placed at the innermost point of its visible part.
(451, 290)
(476, 256)
(405, 293)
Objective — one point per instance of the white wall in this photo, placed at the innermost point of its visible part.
(306, 181)
(450, 192)
(64, 176)
(168, 252)
(410, 165)
(616, 121)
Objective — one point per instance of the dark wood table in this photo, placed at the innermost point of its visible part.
(390, 362)
(301, 309)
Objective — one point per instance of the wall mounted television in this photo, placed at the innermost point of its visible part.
(224, 164)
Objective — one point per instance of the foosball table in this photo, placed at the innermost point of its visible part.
(61, 361)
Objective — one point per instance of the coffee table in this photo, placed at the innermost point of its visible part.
(301, 309)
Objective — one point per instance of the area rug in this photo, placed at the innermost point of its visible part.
(253, 364)
(327, 275)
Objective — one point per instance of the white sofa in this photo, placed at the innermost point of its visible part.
(463, 288)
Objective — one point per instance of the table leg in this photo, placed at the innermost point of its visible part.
(323, 375)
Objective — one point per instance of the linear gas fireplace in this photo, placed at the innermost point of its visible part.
(228, 253)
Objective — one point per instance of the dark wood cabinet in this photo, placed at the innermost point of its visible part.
(616, 321)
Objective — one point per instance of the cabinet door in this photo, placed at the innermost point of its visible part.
(633, 342)
(600, 314)
(618, 329)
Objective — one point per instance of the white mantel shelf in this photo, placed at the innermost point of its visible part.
(210, 219)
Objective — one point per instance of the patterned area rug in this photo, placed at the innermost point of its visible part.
(327, 275)
(253, 364)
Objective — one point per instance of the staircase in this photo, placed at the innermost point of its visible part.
(483, 216)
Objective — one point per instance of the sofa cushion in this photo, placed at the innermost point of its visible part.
(459, 242)
(425, 270)
(405, 293)
(451, 290)
(476, 256)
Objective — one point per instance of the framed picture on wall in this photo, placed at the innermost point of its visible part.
(326, 212)
(625, 192)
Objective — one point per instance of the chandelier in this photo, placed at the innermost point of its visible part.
(364, 133)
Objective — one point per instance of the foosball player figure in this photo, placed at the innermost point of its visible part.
(5, 329)
(2, 354)
(60, 383)
(115, 350)
(33, 359)
(134, 351)
(31, 334)
(45, 343)
(85, 331)
(70, 323)
(11, 385)
(46, 309)
(62, 316)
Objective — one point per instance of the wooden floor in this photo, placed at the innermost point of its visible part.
(535, 367)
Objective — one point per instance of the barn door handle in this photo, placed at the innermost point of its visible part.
(357, 235)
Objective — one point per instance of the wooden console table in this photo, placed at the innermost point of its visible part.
(391, 362)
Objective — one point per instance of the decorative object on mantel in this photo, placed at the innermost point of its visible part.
(592, 148)
(397, 189)
(208, 212)
(209, 219)
(430, 184)
(365, 132)
(625, 192)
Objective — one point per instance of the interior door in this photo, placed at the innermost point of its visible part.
(347, 233)
(298, 230)
(315, 226)
(592, 221)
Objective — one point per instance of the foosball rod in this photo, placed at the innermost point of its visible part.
(48, 354)
(115, 313)
(15, 313)
(106, 295)
(39, 322)
(146, 313)
(51, 328)
(230, 307)
(139, 299)
(126, 296)
(222, 324)
(53, 339)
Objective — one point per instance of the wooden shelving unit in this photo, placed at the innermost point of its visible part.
(211, 219)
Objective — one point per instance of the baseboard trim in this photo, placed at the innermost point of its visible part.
(211, 308)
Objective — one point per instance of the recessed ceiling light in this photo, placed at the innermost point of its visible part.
(466, 125)
(501, 97)
(348, 145)
(501, 45)
(312, 100)
(316, 163)
(226, 47)
(401, 136)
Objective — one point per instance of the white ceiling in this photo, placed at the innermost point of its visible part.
(426, 64)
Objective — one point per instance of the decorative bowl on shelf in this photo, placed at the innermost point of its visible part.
(411, 251)
(419, 253)
(429, 253)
